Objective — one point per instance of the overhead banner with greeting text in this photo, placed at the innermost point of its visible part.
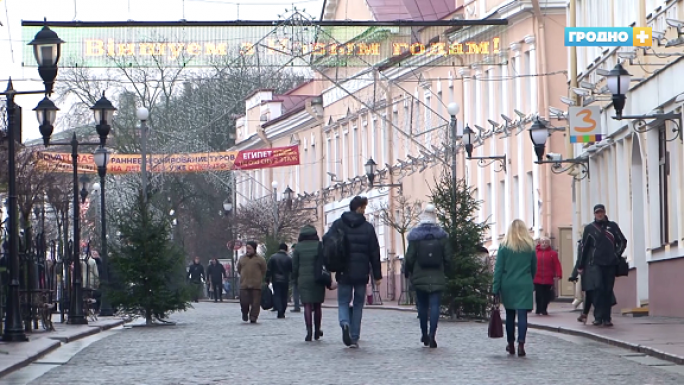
(174, 163)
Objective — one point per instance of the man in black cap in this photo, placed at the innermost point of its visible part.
(278, 273)
(603, 243)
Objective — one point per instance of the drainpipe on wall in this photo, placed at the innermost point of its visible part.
(570, 150)
(541, 35)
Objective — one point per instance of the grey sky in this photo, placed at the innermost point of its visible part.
(13, 11)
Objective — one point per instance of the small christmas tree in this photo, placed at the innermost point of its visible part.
(150, 268)
(468, 280)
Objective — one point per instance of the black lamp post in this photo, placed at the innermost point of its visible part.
(101, 157)
(539, 134)
(371, 168)
(469, 137)
(85, 181)
(104, 113)
(618, 80)
(227, 210)
(47, 50)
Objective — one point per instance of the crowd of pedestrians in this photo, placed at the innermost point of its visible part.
(526, 273)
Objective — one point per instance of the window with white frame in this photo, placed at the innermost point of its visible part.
(364, 140)
(416, 112)
(373, 136)
(408, 108)
(345, 158)
(314, 167)
(515, 61)
(336, 154)
(528, 82)
(395, 135)
(531, 204)
(665, 184)
(502, 208)
(355, 152)
(384, 138)
(490, 100)
(490, 206)
(516, 197)
(328, 154)
(428, 117)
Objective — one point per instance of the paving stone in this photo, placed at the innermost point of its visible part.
(210, 345)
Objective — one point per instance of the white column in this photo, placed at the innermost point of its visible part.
(476, 116)
(517, 104)
(505, 106)
(490, 108)
(534, 88)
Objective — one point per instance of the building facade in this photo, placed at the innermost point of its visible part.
(636, 171)
(396, 113)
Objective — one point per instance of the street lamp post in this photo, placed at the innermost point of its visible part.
(103, 110)
(101, 157)
(47, 48)
(469, 138)
(453, 108)
(227, 210)
(274, 184)
(539, 133)
(143, 114)
(371, 168)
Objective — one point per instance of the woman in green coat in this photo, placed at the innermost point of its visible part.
(516, 266)
(312, 293)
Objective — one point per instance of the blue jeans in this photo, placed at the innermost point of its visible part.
(510, 324)
(344, 296)
(428, 303)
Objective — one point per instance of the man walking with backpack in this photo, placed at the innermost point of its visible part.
(427, 260)
(351, 250)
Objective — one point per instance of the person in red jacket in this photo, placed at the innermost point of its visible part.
(548, 271)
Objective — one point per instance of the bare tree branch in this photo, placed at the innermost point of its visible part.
(256, 220)
(404, 217)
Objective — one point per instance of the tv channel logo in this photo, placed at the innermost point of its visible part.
(608, 37)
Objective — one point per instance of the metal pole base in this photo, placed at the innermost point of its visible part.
(77, 320)
(14, 336)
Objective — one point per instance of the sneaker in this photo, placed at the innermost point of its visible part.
(354, 345)
(346, 337)
(608, 324)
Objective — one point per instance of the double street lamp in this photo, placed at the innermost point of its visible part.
(103, 111)
(47, 48)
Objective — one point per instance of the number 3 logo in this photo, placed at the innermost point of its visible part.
(586, 114)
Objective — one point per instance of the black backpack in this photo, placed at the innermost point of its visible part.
(335, 250)
(430, 254)
(321, 274)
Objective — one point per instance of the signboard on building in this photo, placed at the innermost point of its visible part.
(211, 44)
(174, 163)
(585, 124)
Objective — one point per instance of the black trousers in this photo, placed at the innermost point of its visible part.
(603, 297)
(543, 296)
(280, 296)
(218, 290)
(588, 301)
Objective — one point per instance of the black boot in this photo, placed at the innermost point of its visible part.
(308, 334)
(318, 334)
(425, 339)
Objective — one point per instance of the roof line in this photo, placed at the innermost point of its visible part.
(260, 23)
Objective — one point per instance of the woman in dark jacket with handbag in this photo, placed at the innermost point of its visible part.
(427, 260)
(305, 261)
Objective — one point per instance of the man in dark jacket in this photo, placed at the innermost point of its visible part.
(278, 273)
(216, 272)
(363, 256)
(603, 243)
(196, 277)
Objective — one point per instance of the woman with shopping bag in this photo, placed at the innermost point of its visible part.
(516, 266)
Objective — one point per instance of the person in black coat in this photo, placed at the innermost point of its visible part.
(363, 258)
(602, 244)
(278, 273)
(216, 272)
(196, 277)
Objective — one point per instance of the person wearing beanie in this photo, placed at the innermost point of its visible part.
(427, 259)
(278, 273)
(602, 245)
(252, 269)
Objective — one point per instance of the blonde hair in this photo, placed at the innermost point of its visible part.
(518, 237)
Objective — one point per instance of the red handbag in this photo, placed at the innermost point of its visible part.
(495, 324)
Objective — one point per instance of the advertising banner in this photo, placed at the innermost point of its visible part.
(208, 44)
(173, 163)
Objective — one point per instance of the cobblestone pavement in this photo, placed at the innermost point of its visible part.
(210, 345)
